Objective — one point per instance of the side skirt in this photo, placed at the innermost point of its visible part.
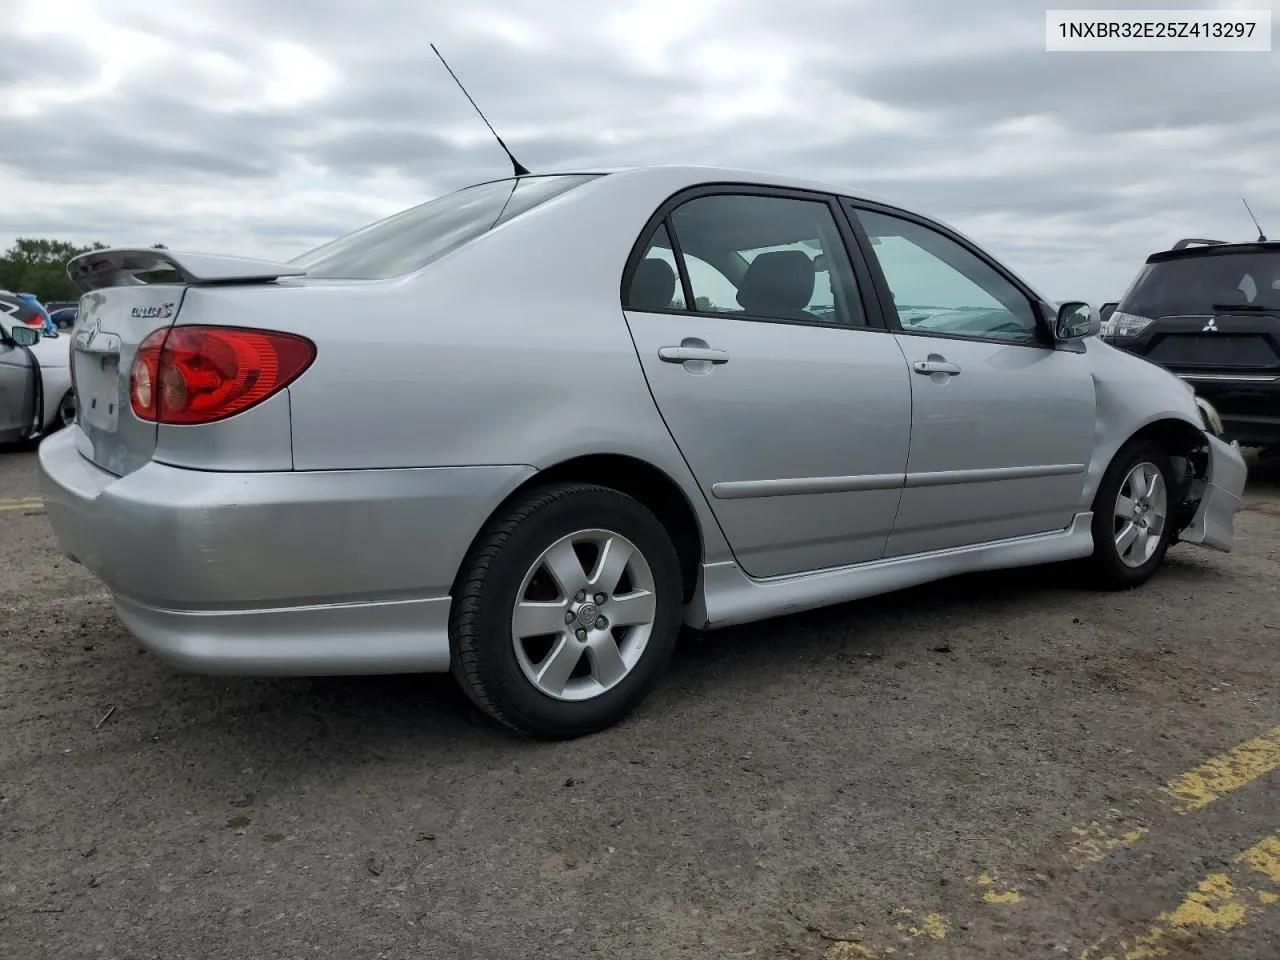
(727, 596)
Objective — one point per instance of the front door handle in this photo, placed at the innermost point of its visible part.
(684, 354)
(929, 367)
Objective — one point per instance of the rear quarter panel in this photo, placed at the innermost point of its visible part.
(510, 350)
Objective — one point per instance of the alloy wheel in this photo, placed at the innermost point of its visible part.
(583, 615)
(1141, 511)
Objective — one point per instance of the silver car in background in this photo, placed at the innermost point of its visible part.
(627, 400)
(35, 379)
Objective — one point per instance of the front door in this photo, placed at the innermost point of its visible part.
(1002, 425)
(792, 410)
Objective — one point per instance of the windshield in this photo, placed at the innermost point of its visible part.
(1205, 284)
(413, 238)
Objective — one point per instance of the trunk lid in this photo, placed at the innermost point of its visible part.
(129, 294)
(109, 329)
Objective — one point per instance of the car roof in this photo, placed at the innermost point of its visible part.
(678, 177)
(698, 173)
(685, 176)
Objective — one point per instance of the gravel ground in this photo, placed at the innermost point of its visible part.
(973, 769)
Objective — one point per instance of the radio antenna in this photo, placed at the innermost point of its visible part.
(520, 169)
(1261, 237)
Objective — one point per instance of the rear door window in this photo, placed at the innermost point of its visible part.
(651, 281)
(760, 257)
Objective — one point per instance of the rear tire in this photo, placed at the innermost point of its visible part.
(567, 611)
(66, 411)
(1133, 513)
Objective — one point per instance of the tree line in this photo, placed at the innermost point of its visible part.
(39, 265)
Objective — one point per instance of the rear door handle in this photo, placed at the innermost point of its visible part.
(928, 367)
(685, 354)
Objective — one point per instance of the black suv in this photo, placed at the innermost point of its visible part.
(1209, 311)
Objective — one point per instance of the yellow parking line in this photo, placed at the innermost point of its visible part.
(1219, 903)
(1226, 772)
(22, 503)
(852, 950)
(1094, 841)
(994, 891)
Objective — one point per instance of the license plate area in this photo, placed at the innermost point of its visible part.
(98, 391)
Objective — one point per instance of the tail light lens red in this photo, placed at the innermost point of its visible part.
(198, 374)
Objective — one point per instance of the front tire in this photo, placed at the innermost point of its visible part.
(1133, 514)
(567, 611)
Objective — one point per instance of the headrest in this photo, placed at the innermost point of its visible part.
(780, 282)
(654, 285)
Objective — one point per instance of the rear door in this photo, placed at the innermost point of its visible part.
(791, 406)
(111, 325)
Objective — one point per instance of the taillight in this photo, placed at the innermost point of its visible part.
(199, 374)
(1122, 325)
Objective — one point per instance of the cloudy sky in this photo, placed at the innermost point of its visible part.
(266, 128)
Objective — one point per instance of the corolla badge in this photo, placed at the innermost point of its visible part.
(1209, 327)
(161, 311)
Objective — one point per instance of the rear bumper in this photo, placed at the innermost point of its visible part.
(1214, 522)
(392, 636)
(310, 573)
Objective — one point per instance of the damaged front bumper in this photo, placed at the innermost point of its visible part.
(1217, 495)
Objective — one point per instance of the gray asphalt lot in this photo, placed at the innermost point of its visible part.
(1000, 766)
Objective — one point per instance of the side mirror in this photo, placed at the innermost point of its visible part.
(23, 335)
(1076, 320)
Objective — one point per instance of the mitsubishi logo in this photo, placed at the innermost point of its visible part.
(1210, 327)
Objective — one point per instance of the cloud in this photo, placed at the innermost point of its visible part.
(229, 125)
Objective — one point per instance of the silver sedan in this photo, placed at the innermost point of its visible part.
(628, 400)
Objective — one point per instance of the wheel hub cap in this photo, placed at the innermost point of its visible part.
(588, 614)
(583, 615)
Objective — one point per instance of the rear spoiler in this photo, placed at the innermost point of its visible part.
(120, 267)
(1183, 244)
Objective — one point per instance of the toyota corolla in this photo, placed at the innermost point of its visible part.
(610, 403)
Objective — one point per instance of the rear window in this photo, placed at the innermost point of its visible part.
(1204, 284)
(413, 238)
